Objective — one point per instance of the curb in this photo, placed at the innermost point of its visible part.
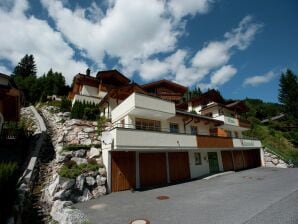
(218, 175)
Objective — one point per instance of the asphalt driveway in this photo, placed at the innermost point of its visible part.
(261, 195)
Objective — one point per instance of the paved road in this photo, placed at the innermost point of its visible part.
(261, 195)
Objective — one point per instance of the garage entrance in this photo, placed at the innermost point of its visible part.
(123, 171)
(153, 169)
(179, 166)
(227, 160)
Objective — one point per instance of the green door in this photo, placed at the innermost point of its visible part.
(213, 162)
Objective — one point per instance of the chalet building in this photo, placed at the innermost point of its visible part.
(10, 97)
(154, 139)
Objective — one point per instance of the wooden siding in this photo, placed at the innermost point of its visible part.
(179, 166)
(123, 171)
(153, 170)
(205, 141)
(227, 160)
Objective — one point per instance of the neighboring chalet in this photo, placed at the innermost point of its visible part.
(155, 139)
(10, 99)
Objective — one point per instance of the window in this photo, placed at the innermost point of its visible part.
(174, 128)
(193, 130)
(198, 160)
(236, 134)
(145, 124)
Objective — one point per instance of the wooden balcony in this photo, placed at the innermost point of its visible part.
(206, 141)
(244, 123)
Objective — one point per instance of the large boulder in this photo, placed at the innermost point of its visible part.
(79, 160)
(94, 152)
(100, 180)
(86, 196)
(99, 191)
(85, 141)
(88, 130)
(79, 153)
(90, 181)
(64, 214)
(80, 180)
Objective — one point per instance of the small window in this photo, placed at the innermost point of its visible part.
(236, 134)
(198, 160)
(193, 130)
(174, 128)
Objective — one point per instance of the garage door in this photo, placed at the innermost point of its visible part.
(153, 170)
(123, 171)
(179, 166)
(227, 160)
(238, 160)
(256, 157)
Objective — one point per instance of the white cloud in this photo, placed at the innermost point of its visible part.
(180, 8)
(28, 35)
(259, 79)
(223, 75)
(4, 70)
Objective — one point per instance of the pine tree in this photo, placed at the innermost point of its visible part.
(288, 93)
(26, 67)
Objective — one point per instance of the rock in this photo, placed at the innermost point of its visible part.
(66, 114)
(282, 165)
(99, 138)
(92, 173)
(90, 181)
(60, 158)
(274, 161)
(67, 153)
(99, 191)
(62, 194)
(88, 130)
(70, 137)
(86, 141)
(86, 196)
(79, 153)
(60, 138)
(100, 180)
(54, 185)
(80, 182)
(82, 135)
(64, 214)
(268, 159)
(66, 183)
(94, 123)
(96, 142)
(100, 162)
(73, 122)
(102, 171)
(79, 160)
(60, 114)
(94, 152)
(74, 142)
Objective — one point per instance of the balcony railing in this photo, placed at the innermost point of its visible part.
(130, 137)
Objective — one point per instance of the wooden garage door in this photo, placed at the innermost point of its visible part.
(153, 170)
(179, 166)
(227, 160)
(123, 171)
(238, 160)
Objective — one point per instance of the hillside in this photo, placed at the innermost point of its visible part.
(280, 135)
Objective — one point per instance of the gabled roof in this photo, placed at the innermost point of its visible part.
(166, 83)
(112, 75)
(210, 96)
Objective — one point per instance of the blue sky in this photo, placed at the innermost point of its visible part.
(237, 46)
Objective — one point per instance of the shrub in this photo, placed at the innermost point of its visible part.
(8, 182)
(85, 110)
(65, 104)
(75, 170)
(101, 124)
(74, 147)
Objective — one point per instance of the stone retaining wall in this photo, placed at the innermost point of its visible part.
(272, 160)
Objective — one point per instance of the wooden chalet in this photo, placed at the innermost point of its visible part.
(10, 99)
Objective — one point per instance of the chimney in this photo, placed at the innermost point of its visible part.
(88, 72)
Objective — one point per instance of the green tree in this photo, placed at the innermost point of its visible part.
(288, 94)
(26, 67)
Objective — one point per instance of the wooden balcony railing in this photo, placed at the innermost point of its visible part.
(244, 123)
(205, 141)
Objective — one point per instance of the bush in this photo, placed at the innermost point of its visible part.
(85, 110)
(101, 124)
(8, 182)
(72, 171)
(65, 105)
(74, 147)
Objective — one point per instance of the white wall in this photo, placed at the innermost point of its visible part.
(203, 169)
(89, 91)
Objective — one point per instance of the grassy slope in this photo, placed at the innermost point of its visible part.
(270, 136)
